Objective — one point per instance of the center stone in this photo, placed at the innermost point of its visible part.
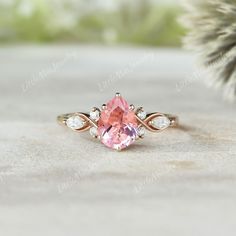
(117, 126)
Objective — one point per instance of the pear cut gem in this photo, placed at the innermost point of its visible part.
(117, 126)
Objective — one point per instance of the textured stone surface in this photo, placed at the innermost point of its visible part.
(56, 182)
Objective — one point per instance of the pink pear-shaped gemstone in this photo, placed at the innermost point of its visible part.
(117, 126)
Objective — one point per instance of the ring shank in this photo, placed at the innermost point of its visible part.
(61, 119)
(174, 120)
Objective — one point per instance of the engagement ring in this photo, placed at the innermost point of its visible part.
(117, 125)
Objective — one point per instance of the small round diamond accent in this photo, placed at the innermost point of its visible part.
(160, 122)
(95, 114)
(142, 114)
(75, 122)
(141, 132)
(93, 132)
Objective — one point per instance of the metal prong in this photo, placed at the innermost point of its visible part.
(131, 107)
(118, 94)
(104, 106)
(95, 108)
(139, 109)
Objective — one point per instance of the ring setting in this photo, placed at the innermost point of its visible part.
(117, 124)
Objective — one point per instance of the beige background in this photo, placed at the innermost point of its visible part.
(56, 182)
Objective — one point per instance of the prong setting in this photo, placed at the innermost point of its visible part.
(118, 95)
(104, 107)
(132, 107)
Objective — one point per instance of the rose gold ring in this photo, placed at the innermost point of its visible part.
(117, 125)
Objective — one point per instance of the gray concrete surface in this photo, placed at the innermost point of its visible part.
(56, 182)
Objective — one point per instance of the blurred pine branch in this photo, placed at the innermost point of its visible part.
(212, 26)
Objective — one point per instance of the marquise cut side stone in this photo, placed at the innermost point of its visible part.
(75, 122)
(160, 122)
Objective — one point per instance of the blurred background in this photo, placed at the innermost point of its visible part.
(59, 56)
(108, 22)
